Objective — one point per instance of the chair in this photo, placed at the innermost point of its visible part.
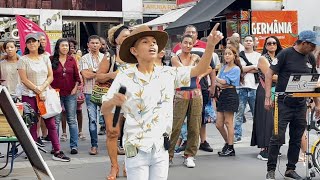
(13, 142)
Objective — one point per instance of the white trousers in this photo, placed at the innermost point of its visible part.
(148, 166)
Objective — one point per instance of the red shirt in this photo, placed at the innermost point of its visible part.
(66, 82)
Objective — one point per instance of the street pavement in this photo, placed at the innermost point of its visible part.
(209, 166)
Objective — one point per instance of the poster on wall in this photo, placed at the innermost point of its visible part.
(51, 23)
(282, 24)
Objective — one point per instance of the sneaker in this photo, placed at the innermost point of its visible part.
(1, 155)
(52, 151)
(292, 174)
(11, 153)
(63, 137)
(102, 130)
(74, 151)
(237, 140)
(189, 162)
(46, 139)
(60, 156)
(93, 151)
(225, 147)
(228, 152)
(40, 143)
(205, 146)
(263, 155)
(271, 175)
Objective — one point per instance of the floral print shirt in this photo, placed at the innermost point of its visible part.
(149, 106)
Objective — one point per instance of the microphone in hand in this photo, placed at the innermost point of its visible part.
(122, 90)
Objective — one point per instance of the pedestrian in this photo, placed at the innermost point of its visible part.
(108, 70)
(187, 103)
(36, 75)
(247, 90)
(9, 73)
(291, 110)
(262, 119)
(148, 103)
(206, 90)
(66, 79)
(228, 100)
(89, 64)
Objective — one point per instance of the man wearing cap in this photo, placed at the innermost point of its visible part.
(148, 102)
(296, 59)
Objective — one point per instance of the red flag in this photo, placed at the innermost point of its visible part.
(25, 26)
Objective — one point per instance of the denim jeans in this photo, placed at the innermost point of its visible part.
(246, 95)
(93, 117)
(101, 119)
(70, 106)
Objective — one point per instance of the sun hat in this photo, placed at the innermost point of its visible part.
(137, 33)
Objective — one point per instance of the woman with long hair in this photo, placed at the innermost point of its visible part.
(263, 119)
(36, 75)
(66, 79)
(108, 70)
(228, 101)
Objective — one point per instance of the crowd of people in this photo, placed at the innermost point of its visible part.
(163, 101)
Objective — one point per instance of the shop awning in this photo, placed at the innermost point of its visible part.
(169, 17)
(199, 15)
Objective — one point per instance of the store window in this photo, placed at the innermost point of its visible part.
(93, 5)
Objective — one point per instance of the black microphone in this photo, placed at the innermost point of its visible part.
(122, 90)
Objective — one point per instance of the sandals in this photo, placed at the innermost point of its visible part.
(81, 136)
(63, 137)
(114, 173)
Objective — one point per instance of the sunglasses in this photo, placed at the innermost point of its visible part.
(271, 43)
(64, 72)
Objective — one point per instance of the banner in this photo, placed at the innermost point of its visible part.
(183, 2)
(25, 26)
(282, 24)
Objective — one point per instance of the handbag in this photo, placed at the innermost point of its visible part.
(80, 95)
(51, 106)
(100, 89)
(209, 113)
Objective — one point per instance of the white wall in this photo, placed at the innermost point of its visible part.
(308, 12)
(132, 9)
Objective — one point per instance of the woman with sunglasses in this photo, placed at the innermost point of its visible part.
(66, 79)
(36, 75)
(263, 119)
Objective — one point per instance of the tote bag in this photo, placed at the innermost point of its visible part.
(51, 106)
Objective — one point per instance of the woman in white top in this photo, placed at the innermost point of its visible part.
(36, 75)
(8, 67)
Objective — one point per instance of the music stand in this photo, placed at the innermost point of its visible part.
(299, 85)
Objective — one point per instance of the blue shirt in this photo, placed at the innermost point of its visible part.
(232, 76)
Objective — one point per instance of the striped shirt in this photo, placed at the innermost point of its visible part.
(88, 62)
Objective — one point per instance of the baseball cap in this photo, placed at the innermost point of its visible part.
(32, 36)
(309, 36)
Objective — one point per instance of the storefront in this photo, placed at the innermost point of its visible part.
(76, 18)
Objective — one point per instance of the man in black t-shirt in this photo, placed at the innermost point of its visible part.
(294, 59)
